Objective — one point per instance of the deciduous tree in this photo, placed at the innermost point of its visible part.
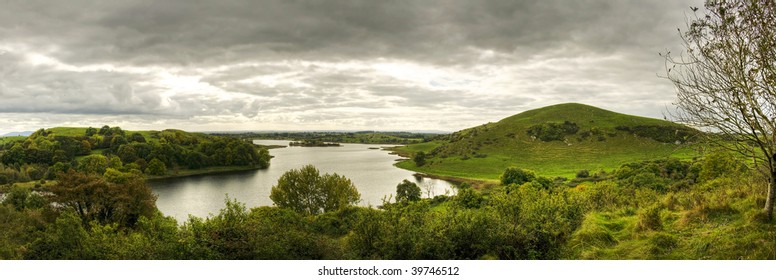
(305, 191)
(726, 79)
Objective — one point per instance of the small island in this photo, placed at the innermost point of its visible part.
(313, 143)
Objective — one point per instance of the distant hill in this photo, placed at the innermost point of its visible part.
(16, 133)
(557, 140)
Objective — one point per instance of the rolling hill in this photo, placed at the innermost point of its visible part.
(557, 140)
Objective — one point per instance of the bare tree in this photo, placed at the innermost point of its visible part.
(725, 79)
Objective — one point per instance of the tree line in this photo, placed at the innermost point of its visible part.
(44, 154)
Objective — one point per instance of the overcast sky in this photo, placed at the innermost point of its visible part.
(327, 65)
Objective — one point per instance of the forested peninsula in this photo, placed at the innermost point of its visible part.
(112, 151)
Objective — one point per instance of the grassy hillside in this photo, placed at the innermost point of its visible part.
(558, 140)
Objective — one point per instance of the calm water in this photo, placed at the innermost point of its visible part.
(371, 170)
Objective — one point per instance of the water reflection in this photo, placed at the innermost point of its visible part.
(371, 170)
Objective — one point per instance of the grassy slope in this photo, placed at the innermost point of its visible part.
(506, 143)
(720, 220)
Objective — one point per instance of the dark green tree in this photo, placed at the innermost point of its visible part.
(420, 159)
(137, 137)
(91, 131)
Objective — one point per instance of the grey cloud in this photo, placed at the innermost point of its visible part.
(209, 32)
(291, 62)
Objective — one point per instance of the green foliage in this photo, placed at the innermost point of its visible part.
(419, 159)
(305, 191)
(468, 198)
(63, 240)
(407, 191)
(91, 131)
(507, 144)
(662, 133)
(62, 145)
(93, 164)
(517, 176)
(93, 198)
(23, 198)
(156, 167)
(660, 175)
(552, 131)
(720, 164)
(262, 233)
(137, 137)
(17, 230)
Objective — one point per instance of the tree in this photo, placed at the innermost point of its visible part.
(306, 191)
(517, 176)
(156, 167)
(137, 137)
(420, 159)
(407, 191)
(95, 164)
(726, 80)
(91, 131)
(104, 130)
(93, 198)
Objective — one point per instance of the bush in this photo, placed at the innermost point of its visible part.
(720, 164)
(156, 167)
(468, 198)
(407, 191)
(419, 159)
(552, 131)
(517, 176)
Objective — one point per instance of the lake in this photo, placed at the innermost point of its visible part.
(371, 170)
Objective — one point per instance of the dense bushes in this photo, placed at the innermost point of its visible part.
(661, 133)
(552, 131)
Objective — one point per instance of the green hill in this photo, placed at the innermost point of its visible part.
(558, 140)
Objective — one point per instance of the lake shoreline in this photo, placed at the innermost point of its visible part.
(201, 172)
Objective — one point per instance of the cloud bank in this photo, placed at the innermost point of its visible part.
(319, 65)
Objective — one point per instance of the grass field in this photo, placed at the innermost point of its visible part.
(484, 152)
(9, 139)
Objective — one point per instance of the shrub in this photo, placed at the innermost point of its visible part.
(517, 176)
(552, 131)
(407, 191)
